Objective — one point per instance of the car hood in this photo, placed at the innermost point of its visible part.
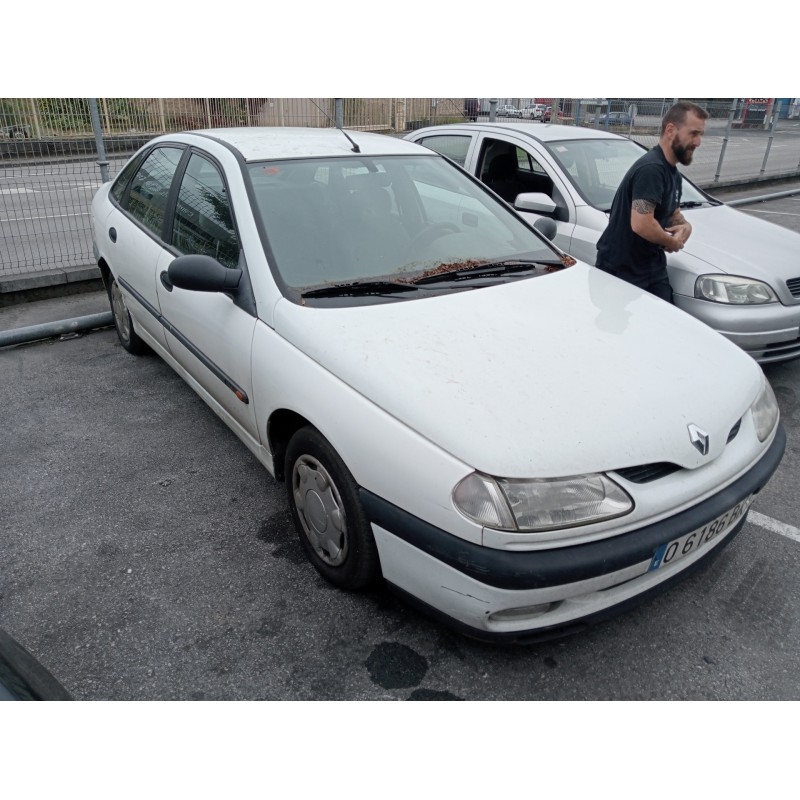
(739, 244)
(562, 374)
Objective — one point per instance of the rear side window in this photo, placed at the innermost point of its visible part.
(121, 181)
(203, 220)
(150, 187)
(452, 146)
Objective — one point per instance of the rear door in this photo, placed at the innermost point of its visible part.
(134, 233)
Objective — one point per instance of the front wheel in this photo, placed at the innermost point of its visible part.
(333, 529)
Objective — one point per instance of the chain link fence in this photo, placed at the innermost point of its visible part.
(49, 162)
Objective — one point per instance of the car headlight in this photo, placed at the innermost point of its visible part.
(765, 412)
(733, 290)
(540, 505)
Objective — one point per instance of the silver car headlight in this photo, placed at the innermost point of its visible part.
(733, 290)
(540, 505)
(765, 411)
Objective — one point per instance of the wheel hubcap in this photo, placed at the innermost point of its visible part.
(120, 312)
(320, 509)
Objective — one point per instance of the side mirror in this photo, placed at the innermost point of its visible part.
(547, 227)
(535, 201)
(203, 274)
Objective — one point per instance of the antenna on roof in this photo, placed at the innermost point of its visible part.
(338, 122)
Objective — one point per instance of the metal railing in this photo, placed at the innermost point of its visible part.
(50, 155)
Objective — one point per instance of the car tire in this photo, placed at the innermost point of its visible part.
(123, 323)
(323, 497)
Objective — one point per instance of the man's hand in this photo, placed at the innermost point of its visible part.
(680, 234)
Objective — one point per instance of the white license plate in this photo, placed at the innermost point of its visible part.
(680, 548)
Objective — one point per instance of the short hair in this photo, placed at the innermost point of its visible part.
(677, 113)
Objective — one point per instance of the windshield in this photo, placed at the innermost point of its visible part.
(334, 221)
(597, 166)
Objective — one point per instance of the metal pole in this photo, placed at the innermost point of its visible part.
(400, 114)
(731, 115)
(771, 137)
(492, 109)
(338, 111)
(35, 115)
(554, 110)
(98, 140)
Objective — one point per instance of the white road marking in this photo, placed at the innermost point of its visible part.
(48, 216)
(784, 213)
(789, 531)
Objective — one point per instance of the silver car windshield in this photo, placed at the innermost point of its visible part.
(356, 219)
(597, 166)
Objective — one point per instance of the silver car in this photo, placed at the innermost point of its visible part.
(738, 274)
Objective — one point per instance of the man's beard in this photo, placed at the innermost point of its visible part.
(683, 153)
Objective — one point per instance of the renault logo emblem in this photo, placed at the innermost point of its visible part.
(699, 439)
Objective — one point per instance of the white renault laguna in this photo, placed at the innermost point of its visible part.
(512, 440)
(739, 275)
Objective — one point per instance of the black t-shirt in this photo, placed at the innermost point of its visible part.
(624, 253)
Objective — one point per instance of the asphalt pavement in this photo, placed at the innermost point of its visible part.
(148, 556)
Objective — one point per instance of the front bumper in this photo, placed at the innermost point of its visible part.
(769, 332)
(475, 587)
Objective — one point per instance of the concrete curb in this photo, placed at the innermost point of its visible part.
(743, 201)
(48, 283)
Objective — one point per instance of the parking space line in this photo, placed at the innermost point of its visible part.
(784, 213)
(789, 531)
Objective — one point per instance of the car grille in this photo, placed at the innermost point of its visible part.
(781, 351)
(645, 473)
(794, 286)
(734, 431)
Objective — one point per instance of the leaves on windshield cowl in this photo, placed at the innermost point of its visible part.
(441, 269)
(568, 261)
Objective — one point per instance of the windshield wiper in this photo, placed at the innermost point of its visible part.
(358, 288)
(487, 269)
(693, 203)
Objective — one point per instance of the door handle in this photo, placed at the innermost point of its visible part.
(167, 283)
(112, 234)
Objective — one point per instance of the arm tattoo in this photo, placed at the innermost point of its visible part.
(677, 218)
(644, 206)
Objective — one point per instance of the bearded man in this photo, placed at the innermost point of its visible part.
(646, 221)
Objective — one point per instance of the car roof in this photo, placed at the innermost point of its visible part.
(256, 144)
(541, 132)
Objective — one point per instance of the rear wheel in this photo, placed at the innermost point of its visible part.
(323, 496)
(128, 337)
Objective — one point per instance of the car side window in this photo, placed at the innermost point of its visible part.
(150, 186)
(203, 219)
(453, 146)
(121, 181)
